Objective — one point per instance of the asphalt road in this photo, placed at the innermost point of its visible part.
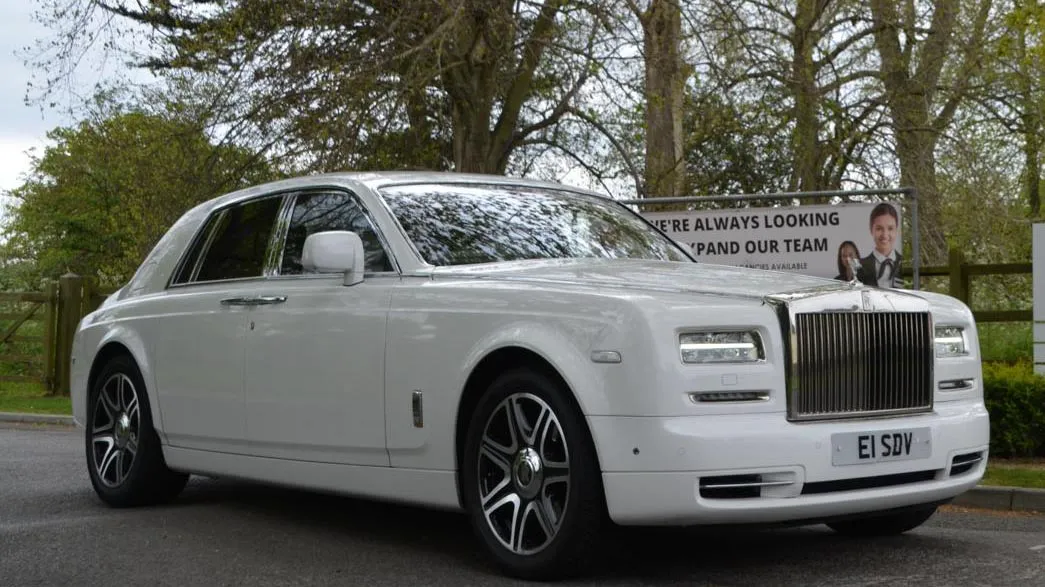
(54, 531)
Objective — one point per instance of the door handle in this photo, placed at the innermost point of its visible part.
(254, 301)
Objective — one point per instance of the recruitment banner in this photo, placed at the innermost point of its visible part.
(826, 241)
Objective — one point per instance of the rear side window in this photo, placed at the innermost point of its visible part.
(240, 240)
(192, 259)
(322, 211)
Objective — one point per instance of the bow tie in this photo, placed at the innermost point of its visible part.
(881, 270)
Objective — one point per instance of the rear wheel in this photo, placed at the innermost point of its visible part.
(124, 457)
(531, 482)
(887, 525)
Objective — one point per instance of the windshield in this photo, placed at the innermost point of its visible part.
(462, 224)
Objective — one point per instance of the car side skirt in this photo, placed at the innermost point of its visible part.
(431, 488)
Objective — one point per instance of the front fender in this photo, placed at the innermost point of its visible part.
(568, 353)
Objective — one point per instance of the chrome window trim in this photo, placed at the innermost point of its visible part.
(278, 242)
(279, 278)
(217, 281)
(367, 274)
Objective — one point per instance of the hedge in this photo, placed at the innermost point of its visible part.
(1015, 398)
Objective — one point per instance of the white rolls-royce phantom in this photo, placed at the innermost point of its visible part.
(537, 356)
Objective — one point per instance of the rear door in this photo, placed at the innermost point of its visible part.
(199, 337)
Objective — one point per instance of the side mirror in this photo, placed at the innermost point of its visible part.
(335, 251)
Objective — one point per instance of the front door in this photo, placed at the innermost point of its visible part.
(315, 354)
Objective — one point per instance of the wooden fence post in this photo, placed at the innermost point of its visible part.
(86, 302)
(70, 288)
(959, 276)
(50, 336)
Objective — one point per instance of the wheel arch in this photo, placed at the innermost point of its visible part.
(484, 372)
(123, 342)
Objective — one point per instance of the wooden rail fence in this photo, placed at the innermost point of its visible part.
(37, 328)
(960, 276)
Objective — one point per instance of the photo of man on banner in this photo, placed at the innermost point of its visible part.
(881, 268)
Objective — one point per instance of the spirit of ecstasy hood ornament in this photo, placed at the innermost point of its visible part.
(854, 264)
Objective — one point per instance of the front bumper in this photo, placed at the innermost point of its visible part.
(652, 467)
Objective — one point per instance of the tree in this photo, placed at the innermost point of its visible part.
(916, 51)
(100, 197)
(1015, 91)
(665, 79)
(458, 84)
(806, 63)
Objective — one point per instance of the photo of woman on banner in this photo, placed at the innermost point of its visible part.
(848, 261)
(881, 268)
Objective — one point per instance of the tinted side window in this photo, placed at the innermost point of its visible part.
(318, 212)
(184, 274)
(238, 249)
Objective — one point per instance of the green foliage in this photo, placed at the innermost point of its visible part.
(106, 190)
(733, 148)
(1008, 342)
(1015, 398)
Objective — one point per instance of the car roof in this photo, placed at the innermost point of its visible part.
(375, 180)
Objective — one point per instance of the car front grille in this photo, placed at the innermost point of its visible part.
(854, 364)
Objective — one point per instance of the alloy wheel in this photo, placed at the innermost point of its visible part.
(524, 473)
(115, 430)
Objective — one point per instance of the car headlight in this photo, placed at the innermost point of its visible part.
(721, 347)
(950, 341)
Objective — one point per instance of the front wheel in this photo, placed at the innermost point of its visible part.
(531, 482)
(124, 457)
(887, 525)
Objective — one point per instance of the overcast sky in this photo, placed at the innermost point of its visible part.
(21, 127)
(24, 127)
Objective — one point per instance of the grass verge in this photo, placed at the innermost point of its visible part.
(32, 398)
(1016, 473)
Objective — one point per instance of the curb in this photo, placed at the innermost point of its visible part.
(36, 418)
(1012, 499)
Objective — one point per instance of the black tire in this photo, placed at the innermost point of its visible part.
(885, 525)
(147, 480)
(575, 545)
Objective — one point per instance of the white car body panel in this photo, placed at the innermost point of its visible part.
(315, 371)
(323, 395)
(198, 346)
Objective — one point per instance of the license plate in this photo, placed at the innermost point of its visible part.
(857, 448)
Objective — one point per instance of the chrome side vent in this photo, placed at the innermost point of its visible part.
(962, 464)
(736, 486)
(855, 364)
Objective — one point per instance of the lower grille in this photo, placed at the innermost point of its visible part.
(851, 364)
(867, 482)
